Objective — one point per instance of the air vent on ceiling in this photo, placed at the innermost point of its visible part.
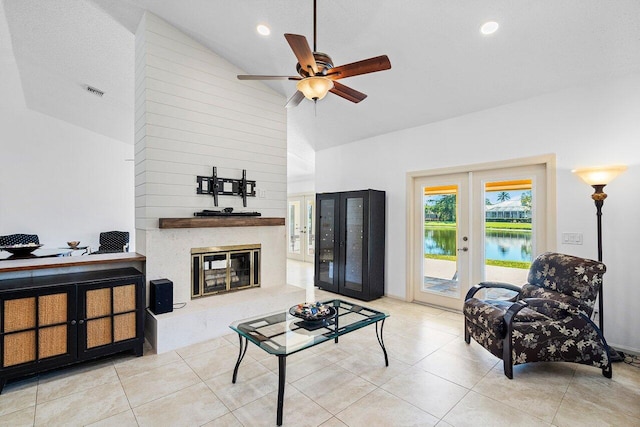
(95, 91)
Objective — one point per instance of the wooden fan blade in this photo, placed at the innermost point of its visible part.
(371, 65)
(347, 93)
(256, 77)
(295, 99)
(301, 50)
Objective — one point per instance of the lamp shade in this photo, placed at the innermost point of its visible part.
(315, 87)
(599, 175)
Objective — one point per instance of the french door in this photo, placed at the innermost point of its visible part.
(301, 228)
(476, 226)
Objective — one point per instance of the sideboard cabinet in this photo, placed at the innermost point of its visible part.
(51, 321)
(350, 243)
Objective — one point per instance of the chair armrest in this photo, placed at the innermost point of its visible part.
(546, 304)
(511, 313)
(474, 289)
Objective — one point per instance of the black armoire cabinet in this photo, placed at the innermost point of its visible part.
(350, 243)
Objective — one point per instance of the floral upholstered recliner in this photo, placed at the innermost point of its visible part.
(549, 319)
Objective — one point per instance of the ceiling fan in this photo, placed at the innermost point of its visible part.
(317, 75)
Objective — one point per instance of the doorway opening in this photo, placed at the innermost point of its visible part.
(300, 227)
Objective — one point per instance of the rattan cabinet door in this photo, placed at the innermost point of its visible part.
(37, 327)
(55, 320)
(109, 313)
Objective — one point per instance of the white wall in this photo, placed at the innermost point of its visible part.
(192, 113)
(57, 180)
(585, 126)
(301, 187)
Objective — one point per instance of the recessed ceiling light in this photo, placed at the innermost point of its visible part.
(263, 30)
(489, 28)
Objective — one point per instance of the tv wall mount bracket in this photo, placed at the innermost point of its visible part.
(226, 186)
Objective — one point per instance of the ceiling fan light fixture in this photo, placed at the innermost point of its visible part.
(315, 87)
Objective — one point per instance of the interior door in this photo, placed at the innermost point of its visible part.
(301, 228)
(443, 220)
(309, 230)
(294, 228)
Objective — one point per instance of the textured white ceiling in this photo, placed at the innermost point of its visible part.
(60, 47)
(442, 66)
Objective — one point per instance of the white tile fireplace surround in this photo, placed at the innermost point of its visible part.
(168, 253)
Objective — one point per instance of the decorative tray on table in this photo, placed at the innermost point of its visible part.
(313, 315)
(21, 250)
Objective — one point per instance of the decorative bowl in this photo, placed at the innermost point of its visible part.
(21, 250)
(73, 244)
(312, 312)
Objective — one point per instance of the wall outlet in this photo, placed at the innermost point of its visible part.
(572, 238)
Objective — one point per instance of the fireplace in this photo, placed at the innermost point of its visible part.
(222, 269)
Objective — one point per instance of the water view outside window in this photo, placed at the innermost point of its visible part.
(507, 235)
(440, 237)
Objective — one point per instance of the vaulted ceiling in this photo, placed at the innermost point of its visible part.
(442, 66)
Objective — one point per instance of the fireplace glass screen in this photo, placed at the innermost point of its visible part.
(223, 269)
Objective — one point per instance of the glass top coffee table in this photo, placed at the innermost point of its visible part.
(283, 334)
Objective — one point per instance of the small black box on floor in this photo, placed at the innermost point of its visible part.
(161, 296)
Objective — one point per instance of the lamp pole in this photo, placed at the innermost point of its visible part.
(598, 197)
(598, 178)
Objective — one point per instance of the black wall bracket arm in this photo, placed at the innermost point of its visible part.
(226, 186)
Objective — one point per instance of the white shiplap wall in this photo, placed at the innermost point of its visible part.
(192, 114)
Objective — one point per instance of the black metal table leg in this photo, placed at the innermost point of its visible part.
(282, 372)
(335, 322)
(381, 342)
(241, 353)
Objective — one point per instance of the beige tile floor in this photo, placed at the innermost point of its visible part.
(433, 378)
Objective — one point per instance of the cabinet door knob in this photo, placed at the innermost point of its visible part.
(73, 322)
(81, 321)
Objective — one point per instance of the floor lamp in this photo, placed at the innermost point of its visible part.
(598, 178)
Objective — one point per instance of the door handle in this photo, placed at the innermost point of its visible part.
(464, 249)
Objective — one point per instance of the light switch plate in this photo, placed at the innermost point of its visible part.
(572, 238)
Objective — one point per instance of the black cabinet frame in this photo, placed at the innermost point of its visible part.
(75, 285)
(333, 247)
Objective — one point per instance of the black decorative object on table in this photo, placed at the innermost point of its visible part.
(314, 316)
(225, 212)
(21, 250)
(226, 186)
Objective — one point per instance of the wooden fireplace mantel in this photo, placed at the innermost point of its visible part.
(205, 222)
